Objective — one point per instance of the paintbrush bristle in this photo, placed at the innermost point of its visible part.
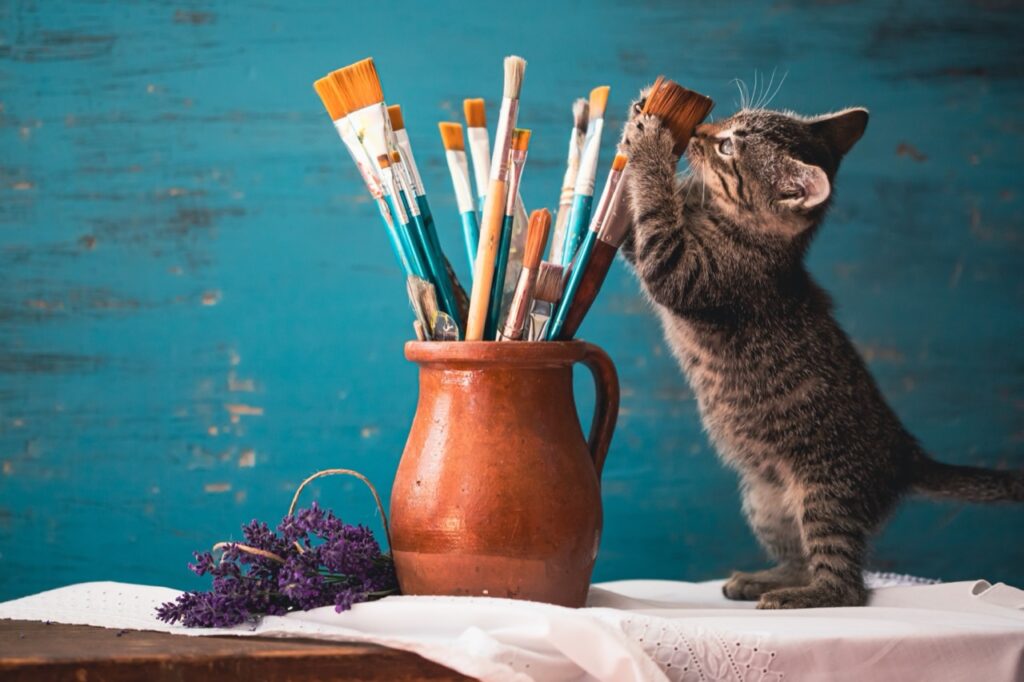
(550, 282)
(383, 161)
(598, 101)
(395, 114)
(580, 114)
(396, 157)
(476, 114)
(451, 136)
(619, 162)
(515, 67)
(680, 109)
(358, 85)
(329, 96)
(536, 237)
(520, 139)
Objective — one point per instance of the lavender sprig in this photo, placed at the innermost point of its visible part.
(312, 560)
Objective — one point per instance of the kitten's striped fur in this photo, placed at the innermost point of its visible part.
(782, 392)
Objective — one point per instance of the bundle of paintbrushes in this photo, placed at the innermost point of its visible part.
(516, 294)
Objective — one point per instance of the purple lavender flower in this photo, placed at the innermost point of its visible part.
(315, 560)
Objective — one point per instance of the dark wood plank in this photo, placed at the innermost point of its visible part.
(36, 652)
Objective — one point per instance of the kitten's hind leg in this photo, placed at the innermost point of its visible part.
(778, 532)
(835, 543)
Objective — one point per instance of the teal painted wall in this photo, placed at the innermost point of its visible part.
(198, 308)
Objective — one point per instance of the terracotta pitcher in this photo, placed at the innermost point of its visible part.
(497, 492)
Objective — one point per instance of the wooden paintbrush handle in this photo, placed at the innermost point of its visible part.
(483, 272)
(600, 261)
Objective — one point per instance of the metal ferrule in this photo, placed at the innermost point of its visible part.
(617, 219)
(401, 174)
(372, 127)
(572, 169)
(503, 139)
(367, 166)
(519, 310)
(459, 169)
(604, 203)
(412, 170)
(394, 194)
(517, 159)
(480, 150)
(588, 159)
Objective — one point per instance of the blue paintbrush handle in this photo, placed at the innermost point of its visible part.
(435, 261)
(407, 238)
(471, 233)
(579, 266)
(579, 217)
(398, 242)
(498, 285)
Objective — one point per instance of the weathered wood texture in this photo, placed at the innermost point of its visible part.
(40, 652)
(198, 306)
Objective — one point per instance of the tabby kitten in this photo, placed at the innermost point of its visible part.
(782, 392)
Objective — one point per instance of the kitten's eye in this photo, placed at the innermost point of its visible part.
(725, 147)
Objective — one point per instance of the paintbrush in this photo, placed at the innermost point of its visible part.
(479, 151)
(550, 281)
(418, 196)
(420, 232)
(367, 168)
(490, 224)
(681, 110)
(458, 166)
(560, 324)
(580, 114)
(399, 209)
(358, 86)
(583, 192)
(522, 301)
(517, 160)
(479, 143)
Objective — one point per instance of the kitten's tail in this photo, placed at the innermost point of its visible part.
(970, 484)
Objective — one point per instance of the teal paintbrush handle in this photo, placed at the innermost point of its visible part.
(471, 233)
(498, 285)
(435, 260)
(579, 217)
(398, 242)
(579, 266)
(407, 238)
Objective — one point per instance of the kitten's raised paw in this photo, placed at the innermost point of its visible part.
(637, 106)
(647, 137)
(811, 597)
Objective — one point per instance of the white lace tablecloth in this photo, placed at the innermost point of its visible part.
(637, 630)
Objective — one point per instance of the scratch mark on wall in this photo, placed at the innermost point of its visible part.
(182, 16)
(910, 151)
(238, 410)
(247, 459)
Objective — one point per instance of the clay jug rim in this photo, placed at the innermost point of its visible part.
(495, 352)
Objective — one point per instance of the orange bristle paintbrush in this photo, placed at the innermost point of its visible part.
(522, 301)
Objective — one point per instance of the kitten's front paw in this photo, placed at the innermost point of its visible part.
(637, 105)
(811, 597)
(646, 138)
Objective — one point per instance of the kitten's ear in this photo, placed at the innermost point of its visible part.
(841, 130)
(805, 187)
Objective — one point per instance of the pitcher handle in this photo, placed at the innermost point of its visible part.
(606, 403)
